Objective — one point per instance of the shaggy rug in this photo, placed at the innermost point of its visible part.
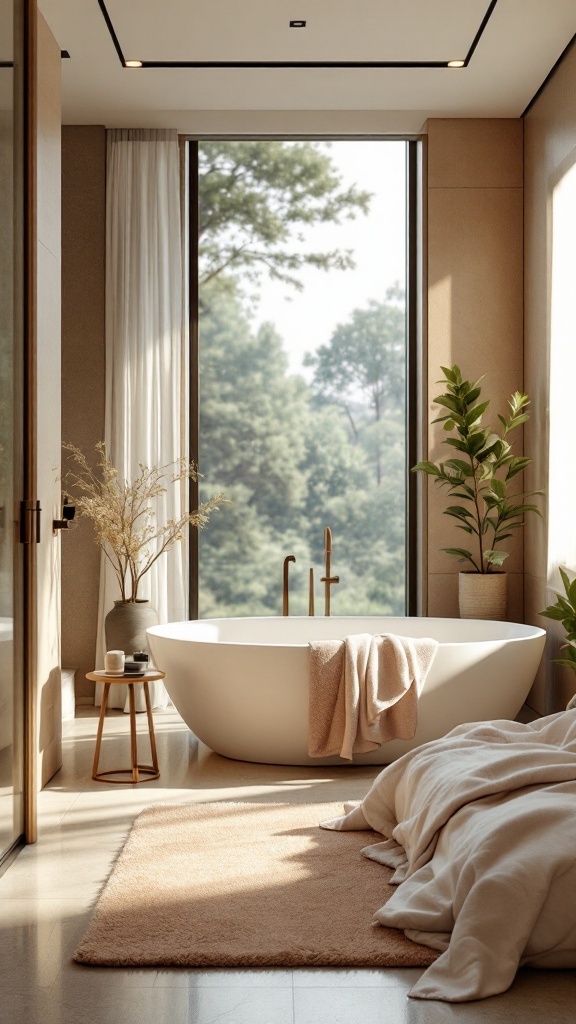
(245, 885)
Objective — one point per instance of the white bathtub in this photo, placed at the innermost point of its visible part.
(241, 685)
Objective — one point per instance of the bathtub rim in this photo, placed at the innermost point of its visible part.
(532, 632)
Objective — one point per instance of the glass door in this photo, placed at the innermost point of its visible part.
(11, 444)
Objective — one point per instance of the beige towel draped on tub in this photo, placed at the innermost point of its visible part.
(364, 690)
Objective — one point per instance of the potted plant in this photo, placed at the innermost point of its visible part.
(126, 528)
(479, 476)
(564, 611)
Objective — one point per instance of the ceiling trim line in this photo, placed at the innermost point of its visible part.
(112, 32)
(553, 69)
(480, 31)
(200, 65)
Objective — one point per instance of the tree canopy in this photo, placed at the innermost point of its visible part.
(363, 365)
(254, 201)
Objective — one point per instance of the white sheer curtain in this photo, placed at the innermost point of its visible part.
(144, 349)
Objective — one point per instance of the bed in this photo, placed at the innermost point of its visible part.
(480, 829)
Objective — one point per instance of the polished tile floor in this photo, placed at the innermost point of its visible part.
(47, 894)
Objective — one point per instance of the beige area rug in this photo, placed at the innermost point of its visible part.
(245, 885)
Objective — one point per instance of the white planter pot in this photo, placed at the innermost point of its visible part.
(482, 595)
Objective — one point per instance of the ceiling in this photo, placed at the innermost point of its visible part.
(397, 49)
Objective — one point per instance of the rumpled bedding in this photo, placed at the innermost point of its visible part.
(480, 828)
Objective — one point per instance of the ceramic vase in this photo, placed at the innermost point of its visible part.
(126, 624)
(482, 595)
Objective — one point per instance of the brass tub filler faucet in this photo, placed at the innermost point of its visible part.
(287, 560)
(327, 579)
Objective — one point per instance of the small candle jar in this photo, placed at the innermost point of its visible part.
(114, 663)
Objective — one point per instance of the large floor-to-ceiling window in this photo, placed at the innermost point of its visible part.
(302, 361)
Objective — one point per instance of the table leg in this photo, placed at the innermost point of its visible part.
(151, 727)
(133, 741)
(103, 707)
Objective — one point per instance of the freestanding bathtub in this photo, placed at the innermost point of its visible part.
(241, 685)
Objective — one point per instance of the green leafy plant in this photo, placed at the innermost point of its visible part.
(481, 471)
(564, 611)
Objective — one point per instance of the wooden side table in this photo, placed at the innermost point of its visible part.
(148, 771)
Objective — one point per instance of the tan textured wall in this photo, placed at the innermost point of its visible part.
(83, 374)
(474, 255)
(48, 399)
(549, 153)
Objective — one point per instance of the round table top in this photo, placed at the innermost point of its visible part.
(149, 676)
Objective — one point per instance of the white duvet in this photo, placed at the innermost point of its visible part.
(481, 829)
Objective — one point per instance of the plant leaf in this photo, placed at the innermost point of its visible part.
(496, 557)
(553, 612)
(475, 414)
(565, 579)
(452, 374)
(463, 556)
(466, 494)
(472, 395)
(460, 553)
(463, 467)
(448, 402)
(426, 467)
(456, 442)
(517, 465)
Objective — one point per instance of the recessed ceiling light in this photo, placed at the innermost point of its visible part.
(298, 24)
(456, 63)
(133, 63)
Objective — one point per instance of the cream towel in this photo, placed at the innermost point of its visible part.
(364, 691)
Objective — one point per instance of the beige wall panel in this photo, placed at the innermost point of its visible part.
(549, 152)
(48, 402)
(475, 153)
(475, 283)
(475, 320)
(515, 608)
(443, 594)
(83, 374)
